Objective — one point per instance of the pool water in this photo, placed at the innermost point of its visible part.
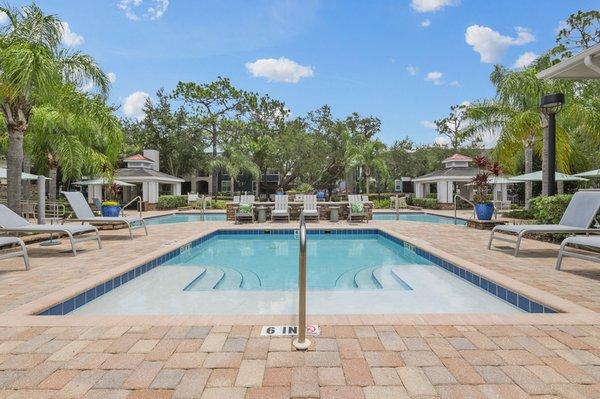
(418, 217)
(189, 217)
(348, 272)
(221, 217)
(267, 262)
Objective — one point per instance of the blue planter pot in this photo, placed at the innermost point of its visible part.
(484, 211)
(111, 211)
(320, 195)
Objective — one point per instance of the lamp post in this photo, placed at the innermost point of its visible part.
(550, 105)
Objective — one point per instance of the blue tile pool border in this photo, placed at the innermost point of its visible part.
(526, 304)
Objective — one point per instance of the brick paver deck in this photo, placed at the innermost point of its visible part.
(190, 357)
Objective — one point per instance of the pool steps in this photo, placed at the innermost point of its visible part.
(365, 280)
(368, 278)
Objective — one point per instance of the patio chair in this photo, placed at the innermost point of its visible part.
(192, 198)
(356, 208)
(310, 208)
(577, 219)
(281, 209)
(586, 241)
(245, 209)
(236, 199)
(10, 241)
(401, 202)
(83, 214)
(10, 222)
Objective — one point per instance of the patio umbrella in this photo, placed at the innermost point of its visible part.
(24, 176)
(537, 176)
(102, 182)
(589, 173)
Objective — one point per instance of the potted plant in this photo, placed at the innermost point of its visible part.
(484, 207)
(110, 206)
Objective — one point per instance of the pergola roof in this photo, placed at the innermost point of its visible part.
(537, 176)
(132, 175)
(585, 65)
(457, 157)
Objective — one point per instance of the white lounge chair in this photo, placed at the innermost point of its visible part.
(587, 241)
(192, 198)
(356, 199)
(577, 219)
(6, 241)
(83, 213)
(245, 201)
(310, 208)
(236, 199)
(10, 222)
(281, 208)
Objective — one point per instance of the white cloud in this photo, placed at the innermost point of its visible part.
(442, 140)
(87, 86)
(435, 77)
(562, 24)
(279, 70)
(112, 77)
(3, 18)
(70, 38)
(147, 9)
(431, 5)
(465, 103)
(454, 83)
(428, 124)
(134, 104)
(426, 23)
(412, 70)
(491, 45)
(525, 59)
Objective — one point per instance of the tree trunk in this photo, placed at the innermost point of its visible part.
(367, 181)
(52, 183)
(545, 155)
(528, 169)
(215, 173)
(14, 166)
(26, 184)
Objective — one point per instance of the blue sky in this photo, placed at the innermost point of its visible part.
(353, 55)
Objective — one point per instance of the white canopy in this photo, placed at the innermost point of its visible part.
(585, 65)
(500, 180)
(589, 173)
(24, 176)
(537, 176)
(101, 182)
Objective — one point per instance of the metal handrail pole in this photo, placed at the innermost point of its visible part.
(301, 343)
(138, 199)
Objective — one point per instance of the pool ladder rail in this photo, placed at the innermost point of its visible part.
(301, 343)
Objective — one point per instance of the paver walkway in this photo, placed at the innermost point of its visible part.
(415, 360)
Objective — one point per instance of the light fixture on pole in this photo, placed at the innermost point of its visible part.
(550, 105)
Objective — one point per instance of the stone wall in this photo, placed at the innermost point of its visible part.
(296, 208)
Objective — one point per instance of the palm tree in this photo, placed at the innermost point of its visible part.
(79, 134)
(235, 163)
(514, 113)
(370, 157)
(32, 65)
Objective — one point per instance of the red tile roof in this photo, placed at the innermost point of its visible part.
(458, 157)
(138, 157)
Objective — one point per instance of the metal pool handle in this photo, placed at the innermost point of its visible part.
(301, 343)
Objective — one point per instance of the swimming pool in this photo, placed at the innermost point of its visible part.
(187, 217)
(360, 271)
(221, 217)
(418, 217)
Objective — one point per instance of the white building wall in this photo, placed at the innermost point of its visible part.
(176, 189)
(152, 192)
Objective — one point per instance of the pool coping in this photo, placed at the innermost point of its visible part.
(572, 313)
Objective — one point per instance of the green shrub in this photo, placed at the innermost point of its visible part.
(519, 214)
(432, 195)
(549, 210)
(428, 203)
(302, 188)
(171, 201)
(382, 203)
(219, 204)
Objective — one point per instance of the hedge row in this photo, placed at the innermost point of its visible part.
(171, 201)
